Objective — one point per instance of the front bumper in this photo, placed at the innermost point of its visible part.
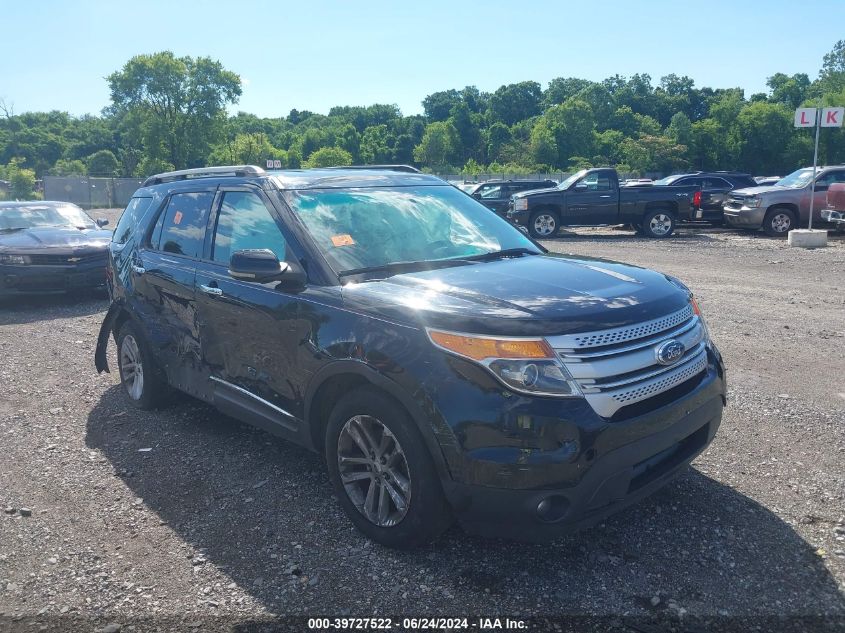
(35, 279)
(744, 217)
(630, 460)
(517, 217)
(836, 217)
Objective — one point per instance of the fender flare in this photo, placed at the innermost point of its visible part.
(380, 381)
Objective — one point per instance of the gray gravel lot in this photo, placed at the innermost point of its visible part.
(186, 514)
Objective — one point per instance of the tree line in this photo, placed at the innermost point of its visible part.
(170, 112)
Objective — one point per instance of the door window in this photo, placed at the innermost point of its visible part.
(180, 229)
(597, 181)
(244, 222)
(823, 182)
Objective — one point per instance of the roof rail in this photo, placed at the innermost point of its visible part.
(405, 168)
(204, 172)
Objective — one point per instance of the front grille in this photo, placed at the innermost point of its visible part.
(40, 259)
(618, 367)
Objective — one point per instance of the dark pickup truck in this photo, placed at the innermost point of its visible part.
(593, 197)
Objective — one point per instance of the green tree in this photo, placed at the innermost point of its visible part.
(21, 180)
(374, 147)
(761, 134)
(790, 91)
(329, 157)
(516, 102)
(680, 129)
(246, 149)
(178, 103)
(102, 163)
(439, 146)
(543, 144)
(654, 153)
(66, 167)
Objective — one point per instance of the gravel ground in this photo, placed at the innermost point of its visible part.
(182, 515)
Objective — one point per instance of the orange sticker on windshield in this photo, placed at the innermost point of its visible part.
(177, 217)
(342, 240)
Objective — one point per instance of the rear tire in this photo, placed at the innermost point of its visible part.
(779, 222)
(382, 472)
(543, 224)
(658, 224)
(139, 376)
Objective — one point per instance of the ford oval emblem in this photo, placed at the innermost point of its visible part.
(669, 352)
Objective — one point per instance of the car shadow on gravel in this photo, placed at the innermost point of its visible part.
(34, 308)
(261, 511)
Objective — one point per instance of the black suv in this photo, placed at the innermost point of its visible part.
(446, 365)
(712, 189)
(496, 194)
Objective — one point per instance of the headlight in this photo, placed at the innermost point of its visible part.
(697, 311)
(520, 204)
(526, 365)
(5, 258)
(752, 202)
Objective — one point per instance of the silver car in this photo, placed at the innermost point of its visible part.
(785, 205)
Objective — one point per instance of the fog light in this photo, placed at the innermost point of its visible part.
(552, 508)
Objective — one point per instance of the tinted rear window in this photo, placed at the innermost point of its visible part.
(181, 228)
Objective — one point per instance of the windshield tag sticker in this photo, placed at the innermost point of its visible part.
(342, 240)
(177, 217)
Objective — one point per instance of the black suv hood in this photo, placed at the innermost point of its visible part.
(59, 237)
(532, 295)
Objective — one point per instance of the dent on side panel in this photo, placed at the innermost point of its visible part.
(398, 355)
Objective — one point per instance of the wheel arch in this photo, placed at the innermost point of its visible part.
(337, 379)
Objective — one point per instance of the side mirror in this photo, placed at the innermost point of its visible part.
(260, 265)
(476, 195)
(580, 186)
(101, 222)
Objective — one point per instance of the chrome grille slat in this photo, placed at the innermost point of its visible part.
(678, 332)
(617, 367)
(639, 377)
(599, 338)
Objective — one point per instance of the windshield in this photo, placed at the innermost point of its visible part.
(28, 217)
(373, 227)
(796, 180)
(568, 182)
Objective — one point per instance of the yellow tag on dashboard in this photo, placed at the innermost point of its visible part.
(342, 240)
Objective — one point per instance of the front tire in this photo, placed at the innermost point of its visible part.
(658, 224)
(382, 473)
(543, 224)
(138, 374)
(779, 222)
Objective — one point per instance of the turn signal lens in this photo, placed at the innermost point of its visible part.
(527, 365)
(695, 309)
(478, 348)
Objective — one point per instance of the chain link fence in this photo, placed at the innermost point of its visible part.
(91, 193)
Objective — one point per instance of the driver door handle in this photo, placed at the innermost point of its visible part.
(139, 269)
(604, 196)
(211, 290)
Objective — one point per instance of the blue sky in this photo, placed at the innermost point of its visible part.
(316, 54)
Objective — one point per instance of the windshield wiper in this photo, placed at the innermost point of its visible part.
(405, 266)
(508, 252)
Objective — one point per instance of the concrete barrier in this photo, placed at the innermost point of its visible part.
(808, 238)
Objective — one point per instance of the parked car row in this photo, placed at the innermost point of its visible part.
(596, 197)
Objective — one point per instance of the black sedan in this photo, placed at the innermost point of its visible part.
(48, 247)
